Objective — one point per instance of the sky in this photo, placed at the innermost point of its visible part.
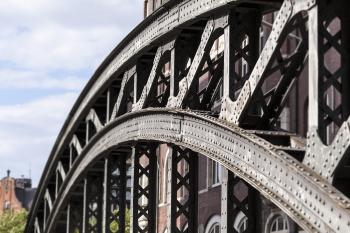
(48, 51)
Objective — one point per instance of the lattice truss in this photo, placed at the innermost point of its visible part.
(116, 194)
(208, 79)
(279, 77)
(144, 206)
(93, 203)
(333, 70)
(183, 210)
(75, 215)
(243, 48)
(239, 199)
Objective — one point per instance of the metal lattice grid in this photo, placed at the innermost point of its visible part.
(144, 188)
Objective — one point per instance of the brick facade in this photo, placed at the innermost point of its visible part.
(8, 199)
(15, 194)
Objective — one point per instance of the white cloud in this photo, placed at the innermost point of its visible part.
(49, 44)
(48, 34)
(55, 47)
(40, 113)
(16, 79)
(28, 132)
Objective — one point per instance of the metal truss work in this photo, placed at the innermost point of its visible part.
(144, 188)
(232, 205)
(233, 111)
(75, 215)
(206, 78)
(268, 170)
(93, 199)
(183, 187)
(115, 185)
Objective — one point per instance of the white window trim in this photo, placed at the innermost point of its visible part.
(240, 216)
(273, 215)
(164, 199)
(210, 175)
(216, 219)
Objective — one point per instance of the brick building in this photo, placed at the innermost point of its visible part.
(15, 194)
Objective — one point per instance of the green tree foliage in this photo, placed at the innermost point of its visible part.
(114, 227)
(13, 222)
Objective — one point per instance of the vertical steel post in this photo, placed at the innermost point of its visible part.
(241, 26)
(105, 195)
(75, 214)
(329, 53)
(144, 188)
(132, 169)
(111, 99)
(234, 201)
(84, 206)
(45, 214)
(68, 219)
(226, 201)
(313, 69)
(115, 196)
(183, 176)
(93, 200)
(169, 196)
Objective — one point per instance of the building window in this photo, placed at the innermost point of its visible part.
(7, 205)
(241, 222)
(261, 39)
(245, 67)
(214, 173)
(279, 225)
(215, 228)
(165, 179)
(242, 226)
(213, 225)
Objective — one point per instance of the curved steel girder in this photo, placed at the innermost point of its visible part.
(297, 190)
(165, 20)
(232, 111)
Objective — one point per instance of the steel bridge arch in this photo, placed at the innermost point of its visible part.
(303, 189)
(228, 145)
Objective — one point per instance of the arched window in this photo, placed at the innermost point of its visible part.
(279, 225)
(215, 228)
(243, 225)
(241, 222)
(213, 225)
(164, 189)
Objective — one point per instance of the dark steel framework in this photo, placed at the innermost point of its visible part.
(164, 84)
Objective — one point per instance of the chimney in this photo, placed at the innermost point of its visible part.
(8, 173)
